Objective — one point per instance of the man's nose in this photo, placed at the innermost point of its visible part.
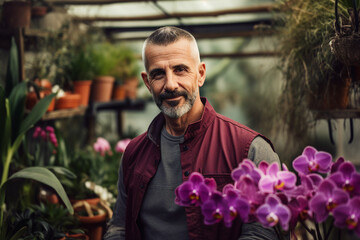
(171, 82)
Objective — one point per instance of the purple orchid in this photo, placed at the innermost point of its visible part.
(250, 191)
(273, 212)
(195, 191)
(238, 206)
(312, 160)
(337, 164)
(348, 215)
(347, 178)
(276, 180)
(226, 207)
(47, 134)
(327, 198)
(248, 168)
(215, 209)
(299, 208)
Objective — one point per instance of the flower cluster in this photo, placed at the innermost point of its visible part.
(102, 192)
(272, 196)
(103, 147)
(47, 134)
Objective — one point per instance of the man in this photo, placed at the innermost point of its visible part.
(187, 136)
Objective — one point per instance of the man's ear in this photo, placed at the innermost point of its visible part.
(202, 73)
(145, 79)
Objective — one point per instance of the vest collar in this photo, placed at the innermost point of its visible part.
(195, 128)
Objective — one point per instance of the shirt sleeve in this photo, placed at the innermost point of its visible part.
(260, 150)
(116, 225)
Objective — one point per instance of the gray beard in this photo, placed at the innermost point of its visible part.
(177, 111)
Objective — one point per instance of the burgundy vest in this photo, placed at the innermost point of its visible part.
(213, 146)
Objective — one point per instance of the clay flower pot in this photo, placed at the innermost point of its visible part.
(68, 101)
(83, 88)
(101, 90)
(32, 98)
(92, 218)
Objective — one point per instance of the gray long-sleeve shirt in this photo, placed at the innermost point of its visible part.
(160, 217)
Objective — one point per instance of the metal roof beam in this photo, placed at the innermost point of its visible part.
(256, 9)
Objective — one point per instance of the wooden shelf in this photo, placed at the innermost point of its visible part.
(64, 113)
(337, 113)
(93, 108)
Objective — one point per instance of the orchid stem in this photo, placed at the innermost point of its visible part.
(277, 232)
(327, 235)
(318, 231)
(311, 231)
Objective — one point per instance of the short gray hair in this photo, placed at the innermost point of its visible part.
(166, 35)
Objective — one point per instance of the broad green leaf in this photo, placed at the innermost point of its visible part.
(12, 74)
(17, 106)
(36, 113)
(63, 171)
(44, 176)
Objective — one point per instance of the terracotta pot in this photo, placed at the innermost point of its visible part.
(93, 224)
(16, 14)
(91, 201)
(32, 99)
(48, 196)
(337, 96)
(131, 85)
(119, 92)
(101, 89)
(81, 236)
(38, 11)
(68, 101)
(83, 88)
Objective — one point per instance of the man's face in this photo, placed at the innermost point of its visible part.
(174, 75)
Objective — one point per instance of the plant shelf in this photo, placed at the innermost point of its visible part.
(336, 113)
(64, 113)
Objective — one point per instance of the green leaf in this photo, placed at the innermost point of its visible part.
(12, 74)
(62, 171)
(6, 137)
(2, 122)
(19, 233)
(36, 113)
(44, 176)
(17, 105)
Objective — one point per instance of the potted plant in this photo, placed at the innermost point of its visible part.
(310, 69)
(92, 218)
(80, 71)
(126, 73)
(39, 8)
(104, 61)
(13, 126)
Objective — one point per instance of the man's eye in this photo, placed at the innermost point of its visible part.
(156, 75)
(180, 69)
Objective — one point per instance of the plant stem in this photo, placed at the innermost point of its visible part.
(6, 166)
(318, 231)
(311, 231)
(327, 234)
(278, 232)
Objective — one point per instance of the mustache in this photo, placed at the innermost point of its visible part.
(173, 94)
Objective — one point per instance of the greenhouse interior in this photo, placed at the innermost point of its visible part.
(227, 124)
